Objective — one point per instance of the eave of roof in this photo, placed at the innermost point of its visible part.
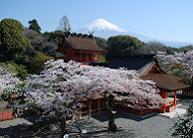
(131, 63)
(97, 51)
(166, 81)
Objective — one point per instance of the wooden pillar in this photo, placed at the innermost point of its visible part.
(89, 108)
(97, 55)
(80, 56)
(95, 59)
(99, 106)
(87, 57)
(164, 96)
(175, 97)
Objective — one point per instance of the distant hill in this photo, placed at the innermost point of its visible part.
(103, 28)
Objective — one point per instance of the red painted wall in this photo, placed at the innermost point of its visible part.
(77, 55)
(6, 114)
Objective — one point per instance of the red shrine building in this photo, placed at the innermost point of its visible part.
(81, 48)
(149, 69)
(168, 84)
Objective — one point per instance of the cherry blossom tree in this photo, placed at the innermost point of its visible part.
(7, 82)
(59, 89)
(182, 58)
(183, 127)
(124, 86)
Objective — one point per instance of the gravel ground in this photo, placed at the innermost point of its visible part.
(152, 127)
(131, 127)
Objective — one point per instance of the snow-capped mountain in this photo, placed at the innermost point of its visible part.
(101, 24)
(103, 28)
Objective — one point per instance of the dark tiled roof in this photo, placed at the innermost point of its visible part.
(131, 63)
(153, 65)
(83, 43)
(144, 65)
(166, 81)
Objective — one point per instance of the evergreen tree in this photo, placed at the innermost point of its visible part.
(184, 126)
(15, 44)
(34, 25)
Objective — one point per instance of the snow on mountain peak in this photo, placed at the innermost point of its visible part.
(103, 25)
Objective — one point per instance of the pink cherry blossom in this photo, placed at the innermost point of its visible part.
(61, 86)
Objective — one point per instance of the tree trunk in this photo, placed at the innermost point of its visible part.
(109, 105)
(63, 126)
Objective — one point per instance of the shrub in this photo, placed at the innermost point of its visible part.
(19, 70)
(36, 64)
(184, 126)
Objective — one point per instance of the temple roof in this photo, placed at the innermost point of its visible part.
(83, 42)
(149, 69)
(130, 63)
(166, 81)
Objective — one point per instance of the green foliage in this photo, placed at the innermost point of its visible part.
(155, 46)
(186, 48)
(179, 70)
(14, 96)
(184, 126)
(32, 110)
(102, 43)
(46, 43)
(36, 64)
(130, 46)
(0, 40)
(102, 58)
(56, 37)
(19, 70)
(123, 45)
(14, 42)
(34, 25)
(171, 50)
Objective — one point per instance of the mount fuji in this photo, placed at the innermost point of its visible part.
(103, 28)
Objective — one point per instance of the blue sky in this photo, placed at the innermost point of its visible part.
(162, 19)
